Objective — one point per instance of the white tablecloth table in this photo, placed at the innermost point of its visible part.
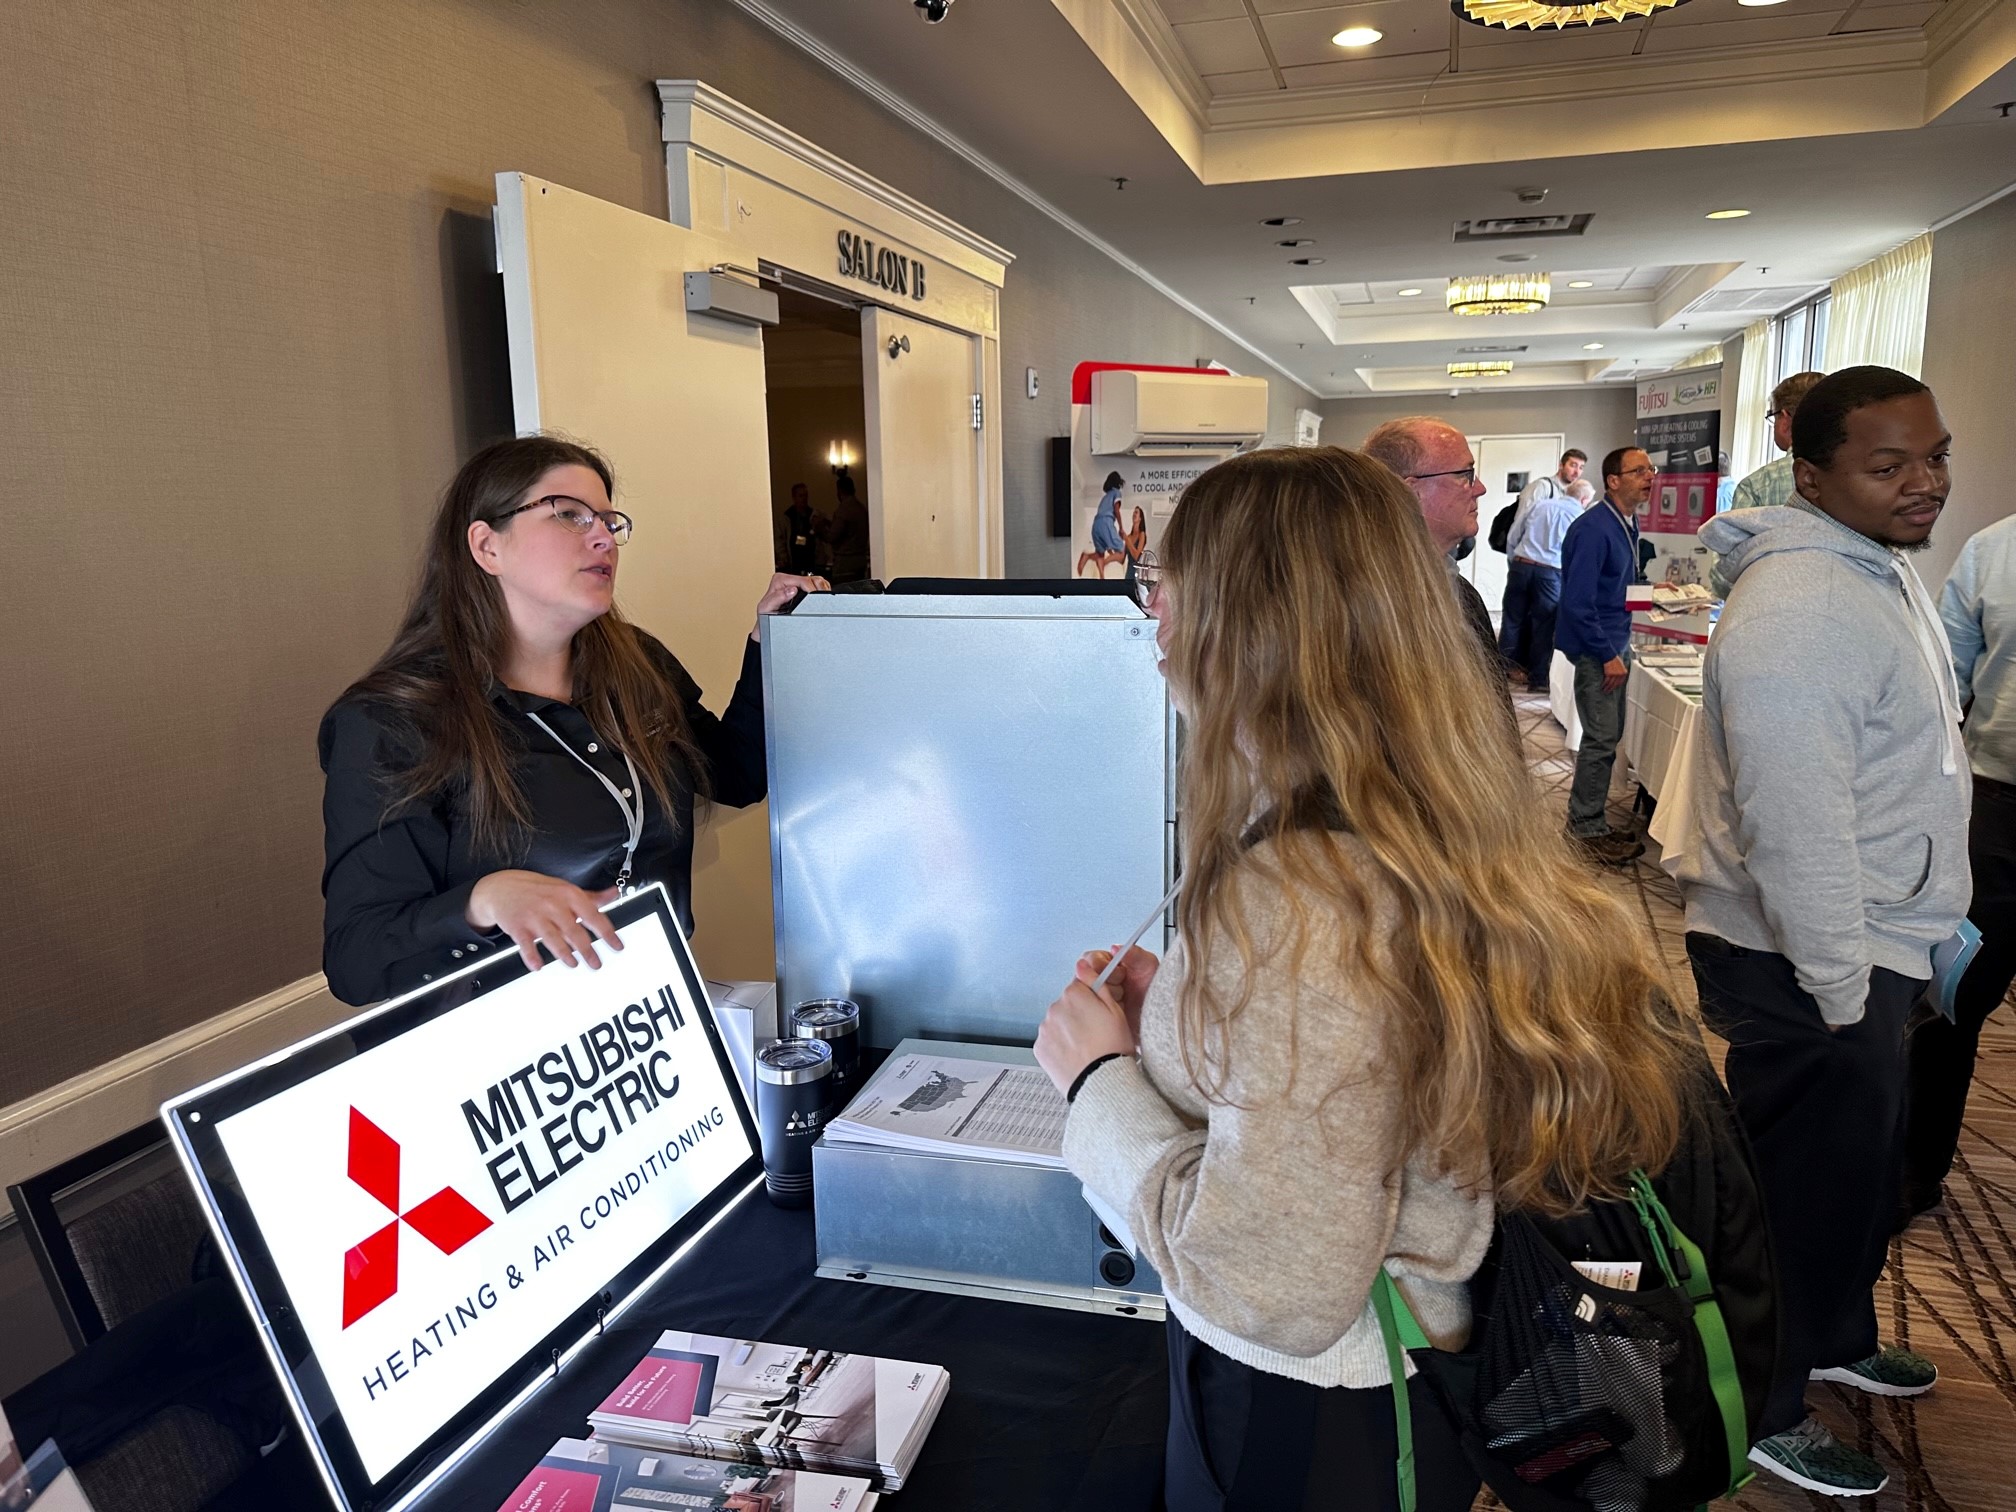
(1660, 726)
(1561, 701)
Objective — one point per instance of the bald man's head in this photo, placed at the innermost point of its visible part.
(1435, 463)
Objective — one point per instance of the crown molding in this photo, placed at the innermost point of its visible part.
(1145, 19)
(1750, 67)
(691, 99)
(1952, 23)
(911, 116)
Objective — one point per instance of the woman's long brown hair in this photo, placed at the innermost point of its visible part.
(1321, 661)
(435, 677)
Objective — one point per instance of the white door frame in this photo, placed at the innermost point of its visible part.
(784, 202)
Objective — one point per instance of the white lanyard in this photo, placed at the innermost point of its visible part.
(633, 817)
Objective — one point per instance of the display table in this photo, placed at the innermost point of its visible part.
(1048, 1408)
(1561, 701)
(1660, 721)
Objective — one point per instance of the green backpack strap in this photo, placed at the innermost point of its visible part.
(1708, 1321)
(1401, 1331)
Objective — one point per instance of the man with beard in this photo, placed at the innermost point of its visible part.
(1832, 797)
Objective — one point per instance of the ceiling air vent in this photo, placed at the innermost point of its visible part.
(1748, 301)
(1486, 349)
(1512, 227)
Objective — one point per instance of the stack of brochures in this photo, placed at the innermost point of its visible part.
(589, 1475)
(961, 1107)
(776, 1405)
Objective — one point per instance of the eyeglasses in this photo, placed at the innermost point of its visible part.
(1467, 474)
(1647, 471)
(1147, 575)
(576, 516)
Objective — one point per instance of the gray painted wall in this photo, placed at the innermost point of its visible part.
(1970, 351)
(250, 308)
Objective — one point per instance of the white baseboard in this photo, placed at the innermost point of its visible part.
(71, 1117)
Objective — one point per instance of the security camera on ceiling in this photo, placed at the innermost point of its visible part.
(932, 11)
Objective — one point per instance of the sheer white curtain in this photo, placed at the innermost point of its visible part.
(1879, 310)
(1748, 448)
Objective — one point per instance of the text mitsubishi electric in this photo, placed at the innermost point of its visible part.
(437, 1204)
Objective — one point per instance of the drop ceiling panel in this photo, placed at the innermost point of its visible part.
(1749, 32)
(1382, 69)
(1303, 36)
(1716, 12)
(1249, 82)
(1178, 11)
(1884, 17)
(1222, 46)
(1486, 47)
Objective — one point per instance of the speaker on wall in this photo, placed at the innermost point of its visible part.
(1060, 485)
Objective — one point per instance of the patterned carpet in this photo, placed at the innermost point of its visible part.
(1950, 1291)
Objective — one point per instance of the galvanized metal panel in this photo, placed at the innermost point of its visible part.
(965, 792)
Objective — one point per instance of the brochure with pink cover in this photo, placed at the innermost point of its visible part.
(591, 1475)
(785, 1405)
(666, 1386)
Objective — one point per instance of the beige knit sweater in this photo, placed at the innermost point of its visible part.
(1269, 1211)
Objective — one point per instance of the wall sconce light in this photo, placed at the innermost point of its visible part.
(839, 457)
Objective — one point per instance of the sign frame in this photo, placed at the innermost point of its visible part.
(193, 1119)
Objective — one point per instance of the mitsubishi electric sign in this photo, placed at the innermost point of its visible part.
(425, 1204)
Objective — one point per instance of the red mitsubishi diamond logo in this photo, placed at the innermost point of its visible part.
(447, 1220)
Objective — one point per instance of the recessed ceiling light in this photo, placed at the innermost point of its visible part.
(1282, 220)
(1306, 262)
(1727, 214)
(1297, 241)
(1582, 283)
(1760, 2)
(1592, 346)
(1357, 36)
(1518, 257)
(1408, 293)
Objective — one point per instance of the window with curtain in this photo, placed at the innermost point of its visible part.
(1878, 313)
(1749, 447)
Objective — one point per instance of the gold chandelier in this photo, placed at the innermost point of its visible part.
(1500, 293)
(1536, 15)
(1500, 369)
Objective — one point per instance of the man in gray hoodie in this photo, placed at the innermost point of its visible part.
(1832, 801)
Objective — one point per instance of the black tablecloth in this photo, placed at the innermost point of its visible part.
(1049, 1411)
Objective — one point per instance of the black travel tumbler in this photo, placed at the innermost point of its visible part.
(838, 1022)
(792, 1079)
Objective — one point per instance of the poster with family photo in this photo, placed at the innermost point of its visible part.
(1120, 505)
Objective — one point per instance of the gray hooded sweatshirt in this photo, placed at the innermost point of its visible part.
(1832, 791)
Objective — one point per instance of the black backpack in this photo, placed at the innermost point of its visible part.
(1501, 526)
(1570, 1395)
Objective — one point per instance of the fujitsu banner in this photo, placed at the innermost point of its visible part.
(1680, 429)
(427, 1202)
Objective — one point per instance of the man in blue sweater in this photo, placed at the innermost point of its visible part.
(1592, 628)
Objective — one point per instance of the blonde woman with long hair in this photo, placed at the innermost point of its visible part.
(1395, 1003)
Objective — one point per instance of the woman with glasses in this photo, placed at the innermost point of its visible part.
(1394, 1004)
(521, 752)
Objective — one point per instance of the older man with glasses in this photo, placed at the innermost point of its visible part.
(1772, 483)
(1435, 463)
(1592, 628)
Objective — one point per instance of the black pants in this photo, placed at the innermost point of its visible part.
(1824, 1112)
(1242, 1440)
(1941, 1055)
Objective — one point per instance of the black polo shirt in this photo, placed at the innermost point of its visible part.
(395, 891)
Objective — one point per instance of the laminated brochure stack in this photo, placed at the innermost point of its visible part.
(776, 1405)
(588, 1475)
